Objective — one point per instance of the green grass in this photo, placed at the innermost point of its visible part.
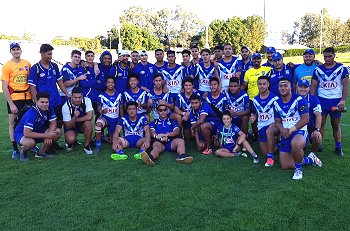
(74, 191)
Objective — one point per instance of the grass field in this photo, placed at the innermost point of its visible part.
(77, 192)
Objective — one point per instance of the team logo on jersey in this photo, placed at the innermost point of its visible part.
(120, 74)
(142, 72)
(169, 123)
(173, 82)
(26, 67)
(264, 116)
(302, 108)
(42, 74)
(287, 72)
(263, 73)
(150, 69)
(273, 75)
(329, 85)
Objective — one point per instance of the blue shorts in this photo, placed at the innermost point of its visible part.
(186, 124)
(262, 134)
(19, 136)
(285, 145)
(168, 146)
(132, 140)
(111, 123)
(229, 147)
(326, 106)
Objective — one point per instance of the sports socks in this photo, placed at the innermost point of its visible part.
(270, 155)
(338, 145)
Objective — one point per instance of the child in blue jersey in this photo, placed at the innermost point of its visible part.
(331, 80)
(189, 70)
(165, 133)
(215, 98)
(146, 72)
(230, 139)
(237, 102)
(227, 67)
(279, 71)
(206, 71)
(315, 118)
(172, 75)
(110, 108)
(160, 64)
(136, 130)
(204, 122)
(262, 111)
(37, 125)
(291, 114)
(137, 95)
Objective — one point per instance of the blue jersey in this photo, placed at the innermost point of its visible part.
(204, 109)
(70, 73)
(267, 64)
(121, 78)
(160, 69)
(243, 67)
(46, 81)
(110, 102)
(276, 76)
(228, 136)
(218, 102)
(35, 120)
(133, 128)
(204, 75)
(314, 106)
(192, 72)
(330, 80)
(290, 113)
(183, 103)
(139, 97)
(304, 72)
(146, 73)
(238, 102)
(155, 101)
(227, 70)
(263, 109)
(173, 78)
(90, 86)
(164, 126)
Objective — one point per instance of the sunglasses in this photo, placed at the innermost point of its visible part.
(160, 110)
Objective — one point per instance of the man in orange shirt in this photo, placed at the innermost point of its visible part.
(15, 87)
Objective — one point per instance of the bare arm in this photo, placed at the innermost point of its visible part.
(87, 117)
(5, 89)
(199, 122)
(33, 92)
(314, 84)
(62, 87)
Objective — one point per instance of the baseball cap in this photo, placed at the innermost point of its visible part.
(270, 50)
(245, 47)
(14, 44)
(304, 82)
(123, 52)
(276, 56)
(256, 55)
(309, 51)
(143, 52)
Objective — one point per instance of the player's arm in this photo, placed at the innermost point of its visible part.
(345, 92)
(87, 117)
(178, 111)
(314, 84)
(242, 113)
(245, 82)
(33, 92)
(241, 137)
(303, 121)
(28, 133)
(199, 122)
(63, 87)
(71, 82)
(6, 92)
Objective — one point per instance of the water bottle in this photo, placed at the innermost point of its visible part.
(336, 109)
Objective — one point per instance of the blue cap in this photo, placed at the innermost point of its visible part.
(270, 50)
(13, 45)
(276, 56)
(309, 51)
(304, 82)
(256, 55)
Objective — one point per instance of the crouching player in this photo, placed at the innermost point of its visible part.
(230, 138)
(291, 114)
(137, 133)
(166, 133)
(37, 125)
(315, 118)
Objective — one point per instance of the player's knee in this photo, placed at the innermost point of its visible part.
(70, 138)
(98, 127)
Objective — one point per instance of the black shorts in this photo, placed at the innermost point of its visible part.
(310, 129)
(58, 112)
(19, 104)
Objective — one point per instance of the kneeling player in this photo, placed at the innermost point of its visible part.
(229, 142)
(137, 133)
(166, 133)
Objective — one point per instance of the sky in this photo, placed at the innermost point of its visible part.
(47, 19)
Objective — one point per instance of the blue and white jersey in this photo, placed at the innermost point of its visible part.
(290, 113)
(173, 78)
(314, 106)
(264, 109)
(228, 135)
(90, 86)
(330, 80)
(276, 76)
(304, 72)
(204, 75)
(183, 103)
(227, 71)
(164, 126)
(132, 128)
(111, 103)
(138, 97)
(218, 102)
(146, 73)
(46, 81)
(243, 67)
(70, 73)
(35, 120)
(155, 101)
(191, 70)
(268, 64)
(121, 78)
(160, 69)
(204, 109)
(238, 102)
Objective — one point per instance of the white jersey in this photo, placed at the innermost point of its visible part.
(111, 103)
(173, 78)
(204, 75)
(263, 108)
(227, 71)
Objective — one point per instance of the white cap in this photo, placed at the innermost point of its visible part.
(143, 52)
(123, 52)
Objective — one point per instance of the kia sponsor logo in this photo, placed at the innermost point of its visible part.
(329, 85)
(264, 116)
(290, 119)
